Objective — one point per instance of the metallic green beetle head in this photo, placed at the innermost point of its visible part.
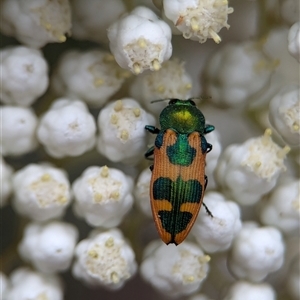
(183, 117)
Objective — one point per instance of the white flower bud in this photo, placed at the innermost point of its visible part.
(103, 196)
(6, 173)
(174, 270)
(212, 158)
(92, 76)
(18, 127)
(294, 41)
(171, 81)
(293, 279)
(250, 291)
(90, 22)
(67, 128)
(36, 22)
(49, 247)
(236, 72)
(26, 284)
(122, 131)
(200, 297)
(217, 233)
(41, 192)
(140, 41)
(281, 208)
(290, 10)
(3, 286)
(104, 259)
(142, 193)
(256, 252)
(198, 20)
(24, 75)
(284, 114)
(246, 172)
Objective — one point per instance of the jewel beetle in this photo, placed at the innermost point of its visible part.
(178, 178)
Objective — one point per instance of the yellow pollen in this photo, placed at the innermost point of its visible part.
(114, 119)
(98, 82)
(194, 24)
(124, 135)
(136, 68)
(118, 106)
(114, 277)
(142, 43)
(156, 65)
(110, 242)
(137, 112)
(46, 177)
(93, 253)
(214, 36)
(104, 171)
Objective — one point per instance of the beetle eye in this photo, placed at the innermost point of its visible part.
(172, 101)
(192, 102)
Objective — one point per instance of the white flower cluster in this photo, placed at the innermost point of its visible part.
(176, 271)
(92, 76)
(122, 135)
(198, 19)
(103, 196)
(140, 41)
(36, 22)
(104, 259)
(72, 151)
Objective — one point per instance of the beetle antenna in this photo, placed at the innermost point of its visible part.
(159, 100)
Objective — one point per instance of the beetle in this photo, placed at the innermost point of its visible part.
(178, 178)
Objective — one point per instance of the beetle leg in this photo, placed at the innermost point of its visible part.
(149, 152)
(152, 129)
(207, 210)
(206, 181)
(209, 128)
(151, 168)
(209, 147)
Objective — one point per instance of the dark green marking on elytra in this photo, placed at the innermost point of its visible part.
(159, 139)
(176, 192)
(181, 153)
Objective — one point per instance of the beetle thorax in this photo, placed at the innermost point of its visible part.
(182, 119)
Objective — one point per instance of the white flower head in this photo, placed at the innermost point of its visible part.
(67, 128)
(294, 41)
(27, 284)
(200, 297)
(92, 76)
(6, 173)
(281, 208)
(249, 291)
(236, 72)
(198, 19)
(246, 172)
(24, 75)
(103, 196)
(4, 285)
(256, 252)
(36, 22)
(41, 192)
(284, 114)
(140, 41)
(293, 279)
(142, 192)
(174, 270)
(171, 81)
(49, 246)
(104, 259)
(122, 131)
(18, 130)
(217, 233)
(289, 10)
(212, 158)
